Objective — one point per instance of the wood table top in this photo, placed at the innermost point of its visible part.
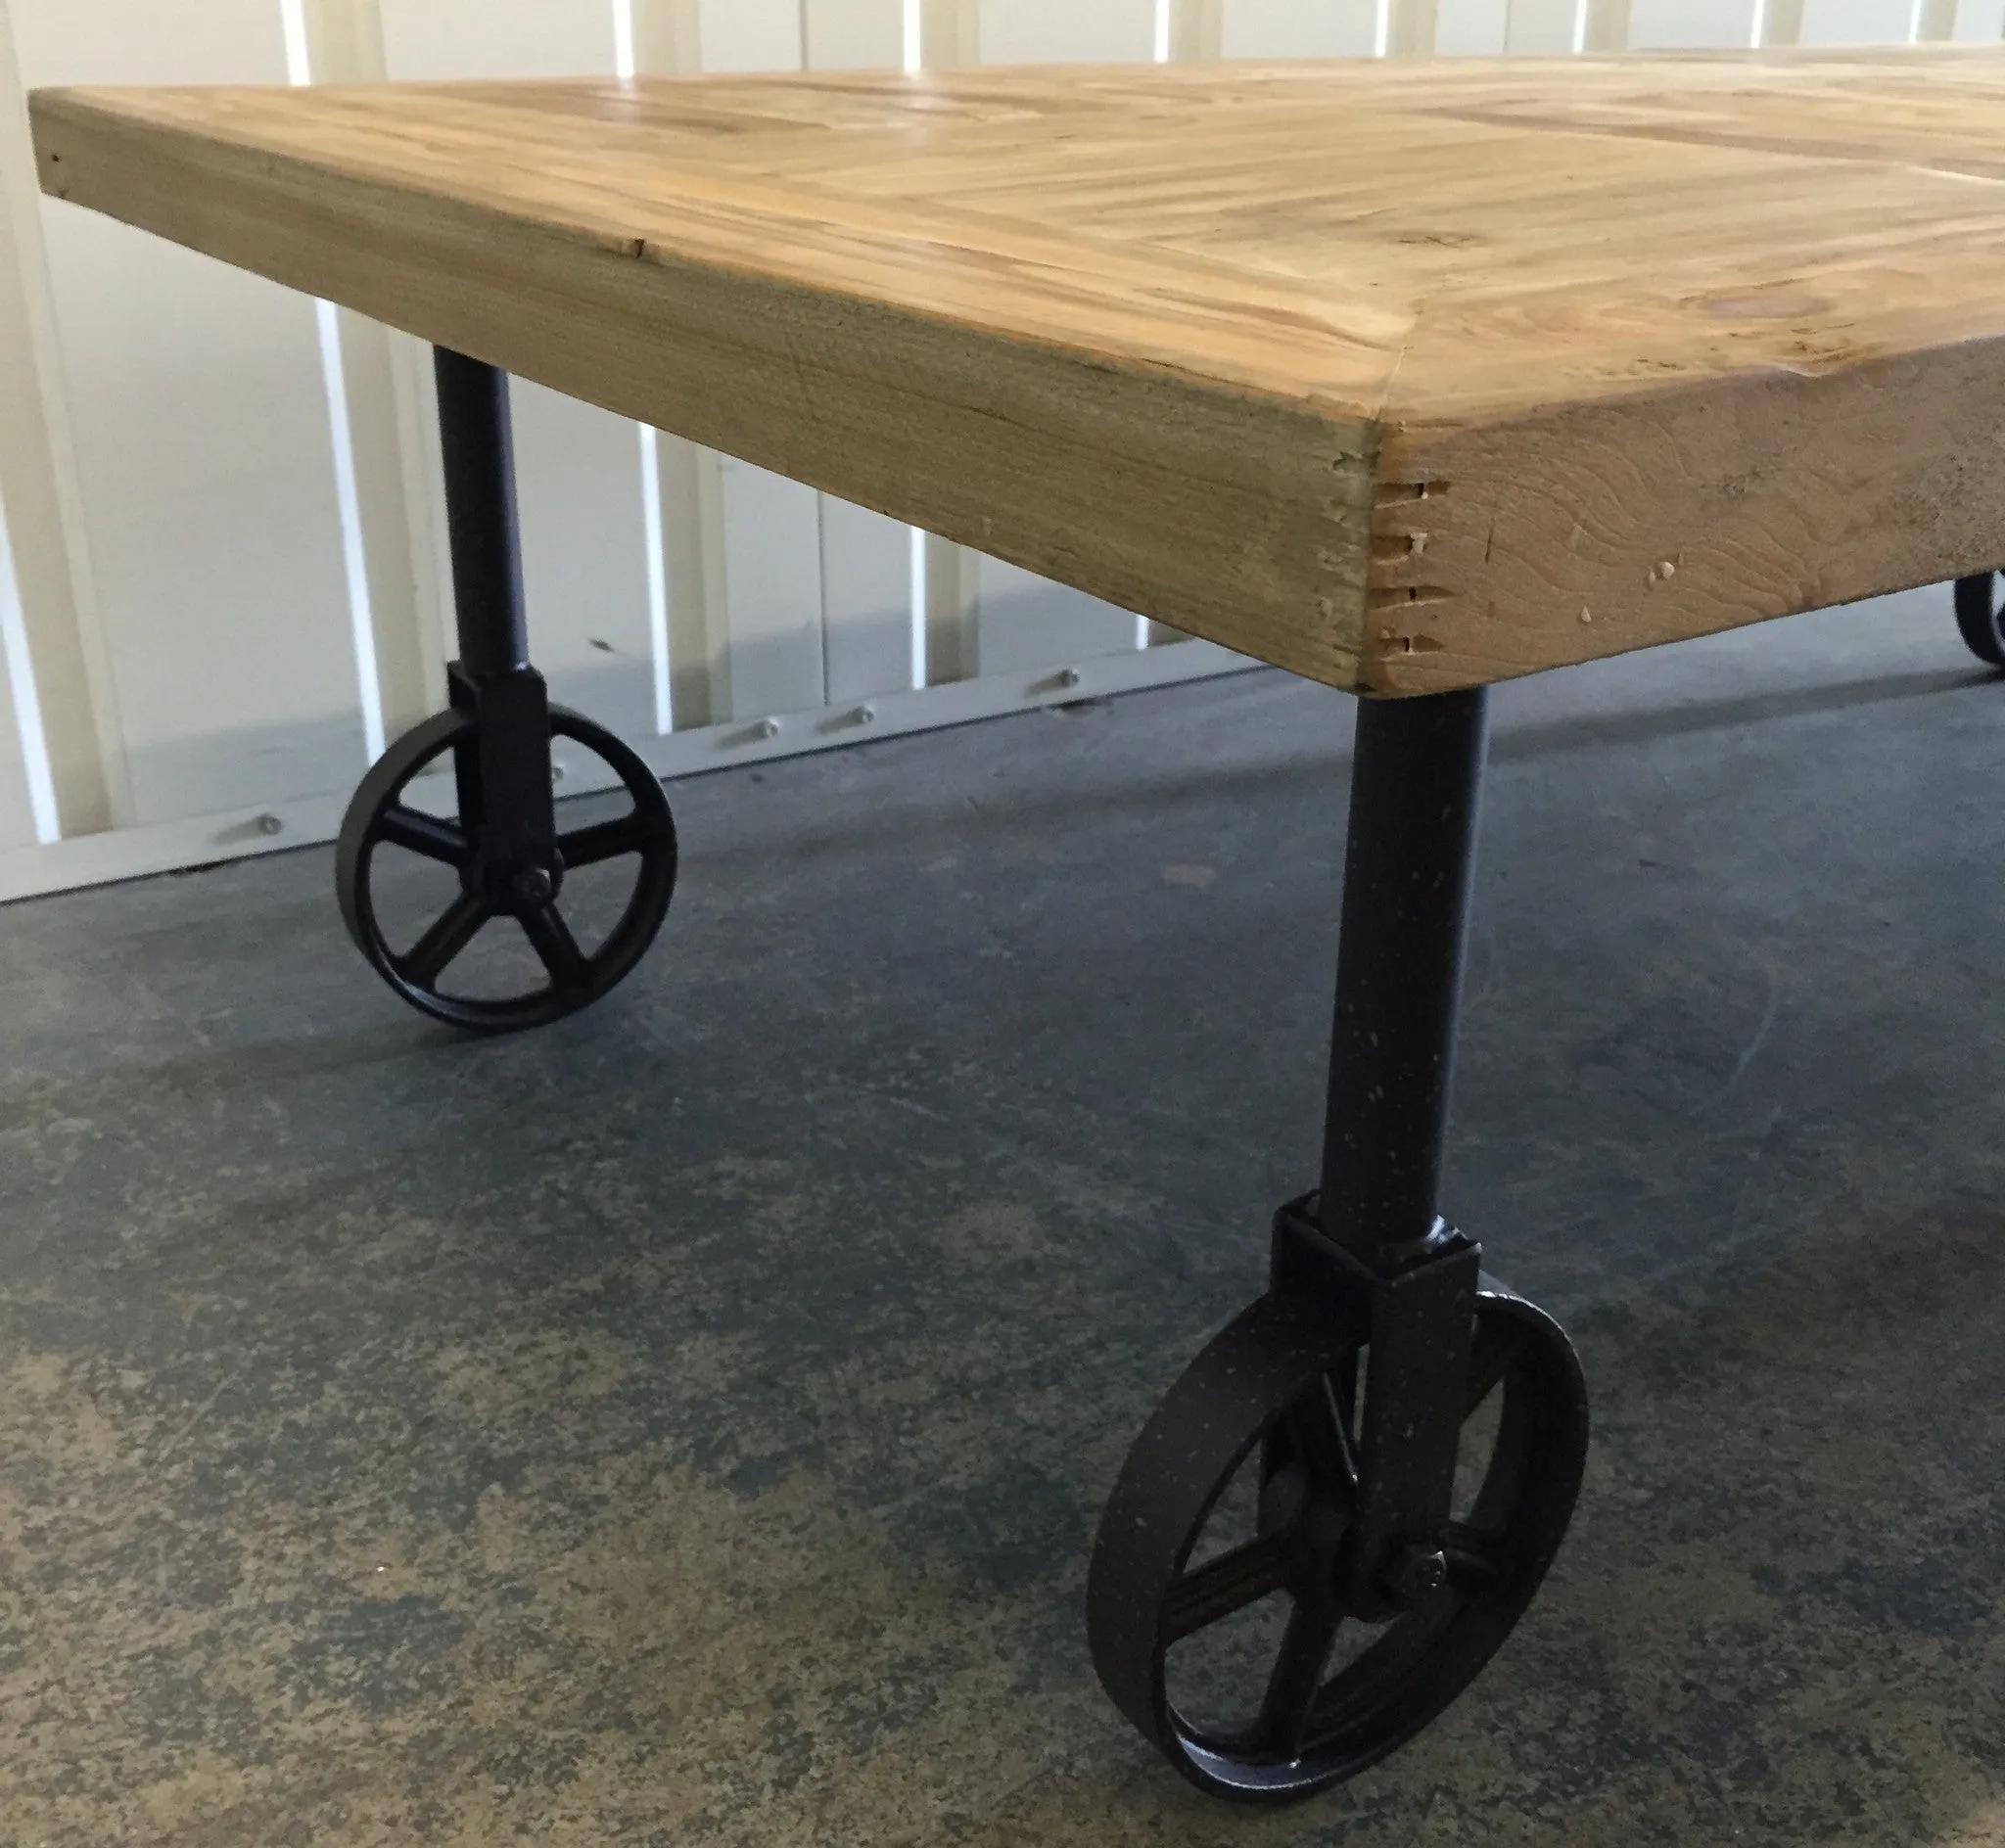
(1403, 375)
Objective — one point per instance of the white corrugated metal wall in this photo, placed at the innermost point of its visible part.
(221, 581)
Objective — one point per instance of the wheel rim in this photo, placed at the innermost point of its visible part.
(1326, 1694)
(1981, 618)
(379, 817)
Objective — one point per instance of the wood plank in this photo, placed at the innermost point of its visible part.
(1401, 375)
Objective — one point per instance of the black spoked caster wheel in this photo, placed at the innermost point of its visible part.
(1215, 1602)
(1981, 618)
(503, 879)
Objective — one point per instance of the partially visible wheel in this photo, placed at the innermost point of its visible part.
(1215, 1602)
(1981, 618)
(572, 978)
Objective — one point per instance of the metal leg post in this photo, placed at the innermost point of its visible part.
(504, 763)
(1358, 1522)
(476, 439)
(503, 843)
(1416, 785)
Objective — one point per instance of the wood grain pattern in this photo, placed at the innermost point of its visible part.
(1403, 376)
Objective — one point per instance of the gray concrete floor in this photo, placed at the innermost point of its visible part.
(687, 1425)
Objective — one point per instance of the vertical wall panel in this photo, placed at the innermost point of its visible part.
(1855, 22)
(854, 34)
(200, 429)
(1777, 21)
(950, 32)
(583, 524)
(751, 34)
(1411, 28)
(866, 580)
(1474, 29)
(1300, 29)
(53, 605)
(1978, 22)
(692, 530)
(17, 710)
(772, 571)
(1197, 29)
(1608, 25)
(1659, 24)
(393, 432)
(1066, 31)
(1540, 28)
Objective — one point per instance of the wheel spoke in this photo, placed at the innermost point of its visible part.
(607, 840)
(420, 833)
(1297, 1676)
(1317, 1434)
(551, 939)
(433, 952)
(1231, 1581)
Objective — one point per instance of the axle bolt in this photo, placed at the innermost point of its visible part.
(1414, 1574)
(535, 886)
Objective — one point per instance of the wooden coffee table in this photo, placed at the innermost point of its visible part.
(1406, 377)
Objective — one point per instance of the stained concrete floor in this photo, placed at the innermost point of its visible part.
(686, 1425)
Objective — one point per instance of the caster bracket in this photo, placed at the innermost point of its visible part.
(1416, 1317)
(504, 776)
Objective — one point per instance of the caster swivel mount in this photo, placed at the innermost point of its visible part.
(503, 844)
(1350, 1498)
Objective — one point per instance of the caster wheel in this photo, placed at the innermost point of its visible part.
(571, 977)
(1981, 618)
(1215, 1602)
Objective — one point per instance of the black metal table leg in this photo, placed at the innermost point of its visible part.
(503, 842)
(1344, 1506)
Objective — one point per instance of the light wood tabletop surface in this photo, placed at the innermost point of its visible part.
(1401, 375)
